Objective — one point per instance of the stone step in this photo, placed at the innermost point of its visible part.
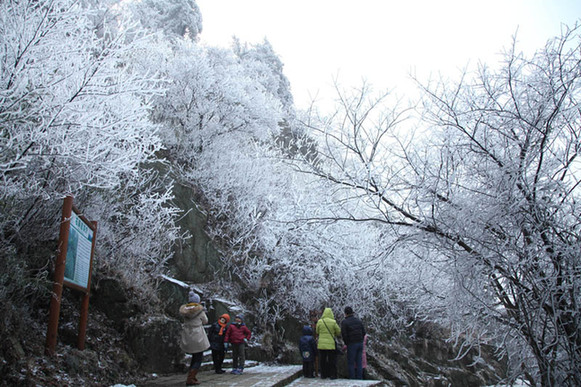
(261, 375)
(207, 363)
(257, 375)
(227, 365)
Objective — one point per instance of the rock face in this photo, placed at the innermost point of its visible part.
(110, 296)
(153, 340)
(155, 344)
(173, 294)
(195, 259)
(427, 359)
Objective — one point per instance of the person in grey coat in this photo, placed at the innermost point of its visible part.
(193, 338)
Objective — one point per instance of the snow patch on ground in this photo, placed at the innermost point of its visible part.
(263, 368)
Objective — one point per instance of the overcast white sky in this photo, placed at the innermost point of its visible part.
(382, 40)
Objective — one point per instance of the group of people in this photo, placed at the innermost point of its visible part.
(319, 344)
(322, 345)
(220, 337)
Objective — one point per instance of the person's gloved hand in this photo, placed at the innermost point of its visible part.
(226, 346)
(245, 341)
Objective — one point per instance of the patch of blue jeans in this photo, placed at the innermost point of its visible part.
(354, 358)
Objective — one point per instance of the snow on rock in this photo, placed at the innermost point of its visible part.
(176, 281)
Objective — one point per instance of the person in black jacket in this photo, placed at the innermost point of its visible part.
(308, 348)
(216, 335)
(353, 332)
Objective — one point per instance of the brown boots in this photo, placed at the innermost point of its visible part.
(192, 381)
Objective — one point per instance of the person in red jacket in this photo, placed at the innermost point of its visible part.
(237, 335)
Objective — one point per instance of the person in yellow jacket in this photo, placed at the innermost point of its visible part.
(327, 331)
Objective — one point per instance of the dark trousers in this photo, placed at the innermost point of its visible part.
(196, 360)
(218, 359)
(309, 369)
(238, 356)
(328, 363)
(354, 356)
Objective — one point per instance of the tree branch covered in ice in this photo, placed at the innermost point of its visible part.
(485, 192)
(74, 120)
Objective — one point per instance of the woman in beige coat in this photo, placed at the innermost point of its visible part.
(193, 339)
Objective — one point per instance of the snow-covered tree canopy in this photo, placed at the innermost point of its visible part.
(470, 219)
(485, 193)
(176, 18)
(74, 119)
(72, 110)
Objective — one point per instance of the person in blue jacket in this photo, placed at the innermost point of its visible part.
(308, 348)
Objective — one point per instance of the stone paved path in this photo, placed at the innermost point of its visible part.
(335, 383)
(261, 375)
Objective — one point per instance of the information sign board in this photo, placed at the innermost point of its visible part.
(78, 260)
(72, 268)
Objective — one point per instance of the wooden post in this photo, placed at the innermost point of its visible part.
(83, 321)
(59, 275)
(85, 303)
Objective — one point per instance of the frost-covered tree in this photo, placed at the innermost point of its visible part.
(264, 65)
(485, 197)
(74, 119)
(72, 111)
(177, 19)
(222, 117)
(137, 231)
(211, 101)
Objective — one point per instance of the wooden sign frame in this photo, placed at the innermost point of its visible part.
(78, 277)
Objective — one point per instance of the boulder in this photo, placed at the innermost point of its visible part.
(173, 294)
(155, 343)
(110, 296)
